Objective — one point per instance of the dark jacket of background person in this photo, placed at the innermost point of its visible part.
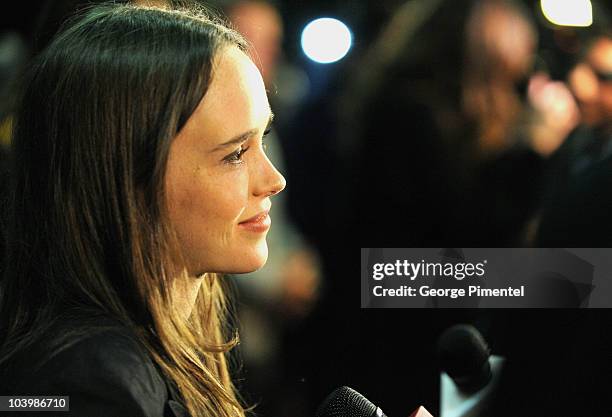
(578, 204)
(102, 368)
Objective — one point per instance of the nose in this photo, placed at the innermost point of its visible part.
(270, 181)
(278, 184)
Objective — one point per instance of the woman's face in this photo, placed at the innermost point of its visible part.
(218, 176)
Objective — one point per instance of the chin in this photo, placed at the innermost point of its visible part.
(255, 260)
(245, 261)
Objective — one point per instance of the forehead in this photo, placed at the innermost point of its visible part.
(236, 99)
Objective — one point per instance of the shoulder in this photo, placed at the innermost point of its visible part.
(105, 373)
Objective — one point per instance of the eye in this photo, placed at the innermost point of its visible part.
(236, 157)
(264, 145)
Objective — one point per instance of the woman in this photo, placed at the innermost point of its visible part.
(140, 177)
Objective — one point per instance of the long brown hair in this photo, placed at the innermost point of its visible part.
(87, 228)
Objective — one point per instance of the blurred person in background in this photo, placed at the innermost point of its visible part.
(439, 128)
(261, 24)
(577, 204)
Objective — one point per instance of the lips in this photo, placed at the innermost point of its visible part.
(258, 218)
(260, 223)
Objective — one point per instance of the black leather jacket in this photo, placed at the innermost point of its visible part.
(105, 374)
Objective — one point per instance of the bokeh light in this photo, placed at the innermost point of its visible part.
(568, 12)
(326, 40)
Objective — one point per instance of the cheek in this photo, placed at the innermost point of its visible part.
(208, 203)
(205, 203)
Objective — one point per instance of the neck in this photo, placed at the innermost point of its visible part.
(185, 292)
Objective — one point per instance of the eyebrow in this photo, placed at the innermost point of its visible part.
(243, 136)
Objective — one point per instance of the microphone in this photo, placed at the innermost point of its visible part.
(346, 402)
(469, 371)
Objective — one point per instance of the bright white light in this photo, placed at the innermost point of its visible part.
(326, 40)
(568, 12)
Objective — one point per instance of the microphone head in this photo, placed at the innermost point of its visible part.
(464, 355)
(346, 402)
